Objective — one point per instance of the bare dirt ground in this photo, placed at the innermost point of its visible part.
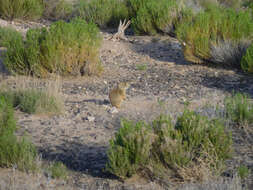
(161, 82)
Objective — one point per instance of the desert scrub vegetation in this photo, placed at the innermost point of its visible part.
(239, 108)
(21, 9)
(32, 101)
(247, 60)
(14, 152)
(150, 16)
(57, 9)
(103, 12)
(212, 27)
(6, 34)
(30, 95)
(63, 49)
(58, 170)
(192, 149)
(229, 52)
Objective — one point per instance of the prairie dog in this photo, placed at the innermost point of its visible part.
(118, 94)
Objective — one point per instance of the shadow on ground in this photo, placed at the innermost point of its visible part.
(165, 51)
(232, 83)
(88, 159)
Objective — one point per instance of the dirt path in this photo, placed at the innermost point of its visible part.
(162, 81)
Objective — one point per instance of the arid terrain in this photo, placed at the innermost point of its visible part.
(161, 82)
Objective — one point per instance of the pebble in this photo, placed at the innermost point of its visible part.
(113, 110)
(90, 118)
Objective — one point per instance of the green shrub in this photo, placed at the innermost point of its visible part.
(163, 149)
(130, 149)
(65, 49)
(151, 16)
(210, 27)
(201, 136)
(239, 109)
(32, 101)
(56, 10)
(58, 170)
(6, 34)
(21, 9)
(247, 60)
(103, 12)
(243, 171)
(13, 151)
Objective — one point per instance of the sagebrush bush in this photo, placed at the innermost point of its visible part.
(163, 149)
(58, 9)
(130, 149)
(229, 53)
(6, 34)
(65, 49)
(247, 60)
(151, 16)
(239, 108)
(210, 27)
(32, 101)
(21, 9)
(13, 152)
(103, 12)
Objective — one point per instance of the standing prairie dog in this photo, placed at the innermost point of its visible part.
(118, 94)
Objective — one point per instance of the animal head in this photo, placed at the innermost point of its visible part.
(123, 85)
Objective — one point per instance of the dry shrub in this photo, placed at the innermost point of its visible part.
(32, 95)
(228, 52)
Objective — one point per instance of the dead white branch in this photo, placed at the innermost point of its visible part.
(120, 35)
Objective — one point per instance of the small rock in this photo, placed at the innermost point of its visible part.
(113, 110)
(90, 118)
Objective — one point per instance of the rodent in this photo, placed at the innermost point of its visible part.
(118, 94)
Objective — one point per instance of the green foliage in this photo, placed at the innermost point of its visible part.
(32, 101)
(65, 49)
(130, 149)
(201, 135)
(151, 16)
(103, 12)
(21, 9)
(163, 148)
(13, 151)
(243, 171)
(247, 60)
(141, 67)
(239, 109)
(58, 170)
(210, 27)
(58, 9)
(6, 34)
